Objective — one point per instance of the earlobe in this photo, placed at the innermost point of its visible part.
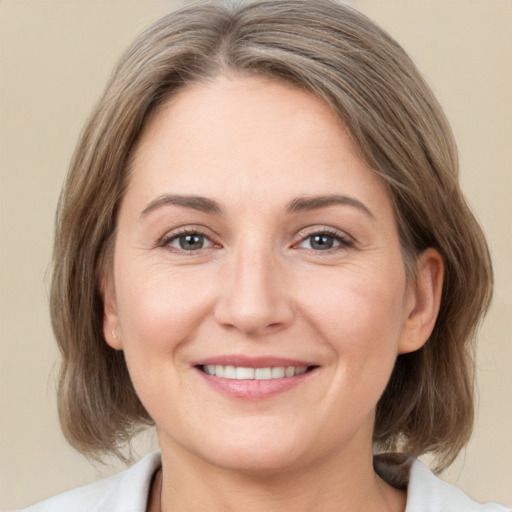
(111, 331)
(423, 301)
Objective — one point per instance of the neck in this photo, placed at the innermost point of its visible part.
(339, 483)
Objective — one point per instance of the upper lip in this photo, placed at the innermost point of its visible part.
(252, 362)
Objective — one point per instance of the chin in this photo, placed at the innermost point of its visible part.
(256, 460)
(259, 449)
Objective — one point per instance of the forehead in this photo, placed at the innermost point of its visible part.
(251, 136)
(239, 111)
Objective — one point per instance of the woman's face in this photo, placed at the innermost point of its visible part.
(253, 243)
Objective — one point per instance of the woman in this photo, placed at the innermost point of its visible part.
(262, 249)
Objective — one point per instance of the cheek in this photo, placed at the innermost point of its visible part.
(356, 301)
(160, 308)
(361, 316)
(159, 313)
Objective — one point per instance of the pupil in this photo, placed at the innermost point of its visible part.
(189, 242)
(322, 242)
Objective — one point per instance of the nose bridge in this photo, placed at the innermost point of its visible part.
(255, 298)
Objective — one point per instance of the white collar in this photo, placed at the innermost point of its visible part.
(128, 491)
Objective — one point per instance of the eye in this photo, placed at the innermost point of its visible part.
(324, 241)
(188, 241)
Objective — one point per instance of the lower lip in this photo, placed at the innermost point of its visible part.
(254, 389)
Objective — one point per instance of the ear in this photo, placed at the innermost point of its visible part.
(111, 330)
(423, 301)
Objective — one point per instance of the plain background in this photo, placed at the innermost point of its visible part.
(55, 57)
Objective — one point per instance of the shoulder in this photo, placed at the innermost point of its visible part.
(123, 492)
(427, 493)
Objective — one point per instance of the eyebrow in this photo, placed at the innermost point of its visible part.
(203, 204)
(307, 203)
(299, 204)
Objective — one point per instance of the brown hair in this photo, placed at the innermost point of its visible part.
(401, 133)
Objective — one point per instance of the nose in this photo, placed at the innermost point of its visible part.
(255, 298)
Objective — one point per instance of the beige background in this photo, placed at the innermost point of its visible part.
(55, 56)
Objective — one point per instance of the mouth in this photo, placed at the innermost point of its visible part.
(257, 378)
(249, 373)
(254, 378)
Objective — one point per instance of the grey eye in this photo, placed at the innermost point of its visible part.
(190, 242)
(321, 242)
(324, 241)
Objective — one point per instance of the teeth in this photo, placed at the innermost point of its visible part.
(210, 369)
(229, 372)
(263, 373)
(245, 373)
(289, 372)
(278, 372)
(241, 373)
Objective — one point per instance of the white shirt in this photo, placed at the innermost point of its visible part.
(128, 492)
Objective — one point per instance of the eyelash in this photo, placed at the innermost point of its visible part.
(343, 241)
(176, 235)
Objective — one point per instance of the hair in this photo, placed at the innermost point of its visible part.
(400, 132)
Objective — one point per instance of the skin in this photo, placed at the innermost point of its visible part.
(259, 286)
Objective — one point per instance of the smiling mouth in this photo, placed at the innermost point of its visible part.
(245, 373)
